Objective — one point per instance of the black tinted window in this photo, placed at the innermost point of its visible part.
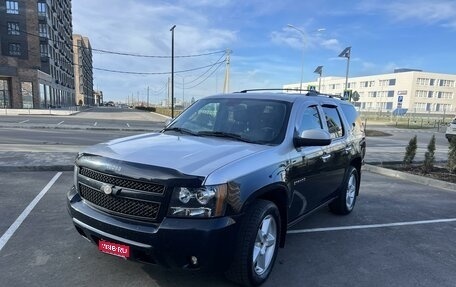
(254, 120)
(334, 122)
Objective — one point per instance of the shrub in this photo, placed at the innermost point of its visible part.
(149, 109)
(452, 156)
(429, 156)
(410, 152)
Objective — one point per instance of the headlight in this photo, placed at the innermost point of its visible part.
(206, 201)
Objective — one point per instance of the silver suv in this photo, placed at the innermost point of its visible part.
(221, 184)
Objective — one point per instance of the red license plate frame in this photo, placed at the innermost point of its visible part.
(120, 250)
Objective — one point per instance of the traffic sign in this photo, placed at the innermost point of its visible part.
(355, 96)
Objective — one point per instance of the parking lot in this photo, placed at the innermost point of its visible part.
(400, 234)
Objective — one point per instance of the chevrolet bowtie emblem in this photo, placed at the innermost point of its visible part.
(107, 189)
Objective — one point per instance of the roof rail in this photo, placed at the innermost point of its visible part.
(276, 89)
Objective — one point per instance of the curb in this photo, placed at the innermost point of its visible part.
(410, 177)
(81, 128)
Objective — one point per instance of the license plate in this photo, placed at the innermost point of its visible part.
(114, 248)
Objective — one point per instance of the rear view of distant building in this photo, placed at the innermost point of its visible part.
(36, 55)
(83, 76)
(413, 90)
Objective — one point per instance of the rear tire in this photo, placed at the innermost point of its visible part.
(348, 191)
(257, 244)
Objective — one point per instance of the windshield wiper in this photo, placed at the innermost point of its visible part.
(181, 130)
(224, 135)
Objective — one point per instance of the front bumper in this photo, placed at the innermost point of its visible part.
(170, 243)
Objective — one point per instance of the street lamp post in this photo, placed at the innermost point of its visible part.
(303, 50)
(172, 70)
(346, 53)
(319, 71)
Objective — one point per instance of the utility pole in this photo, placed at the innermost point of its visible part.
(183, 92)
(169, 90)
(147, 96)
(226, 85)
(172, 71)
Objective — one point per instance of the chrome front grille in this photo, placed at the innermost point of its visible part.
(122, 182)
(123, 206)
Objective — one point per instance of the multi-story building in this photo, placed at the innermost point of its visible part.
(414, 90)
(36, 56)
(83, 73)
(98, 97)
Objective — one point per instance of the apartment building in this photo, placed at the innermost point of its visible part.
(414, 90)
(36, 54)
(83, 72)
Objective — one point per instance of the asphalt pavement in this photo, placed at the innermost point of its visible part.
(42, 143)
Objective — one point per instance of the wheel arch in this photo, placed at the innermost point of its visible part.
(278, 194)
(357, 164)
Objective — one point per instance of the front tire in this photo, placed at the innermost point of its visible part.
(346, 200)
(257, 244)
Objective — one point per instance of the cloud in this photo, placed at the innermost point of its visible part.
(206, 3)
(332, 44)
(426, 11)
(283, 38)
(442, 12)
(297, 40)
(139, 28)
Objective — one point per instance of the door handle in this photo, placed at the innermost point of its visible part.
(325, 157)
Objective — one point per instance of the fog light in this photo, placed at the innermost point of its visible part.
(194, 260)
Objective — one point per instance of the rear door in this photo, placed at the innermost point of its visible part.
(336, 155)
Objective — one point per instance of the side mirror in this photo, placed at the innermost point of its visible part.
(315, 137)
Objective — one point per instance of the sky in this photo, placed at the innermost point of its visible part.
(265, 51)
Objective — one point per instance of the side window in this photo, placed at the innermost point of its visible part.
(353, 119)
(310, 119)
(335, 127)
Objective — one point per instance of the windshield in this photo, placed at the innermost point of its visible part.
(251, 120)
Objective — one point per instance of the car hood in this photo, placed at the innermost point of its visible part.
(191, 155)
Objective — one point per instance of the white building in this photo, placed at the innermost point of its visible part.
(417, 91)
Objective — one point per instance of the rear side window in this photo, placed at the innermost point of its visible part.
(310, 119)
(352, 116)
(335, 127)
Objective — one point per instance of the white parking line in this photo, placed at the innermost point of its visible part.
(128, 125)
(95, 124)
(60, 123)
(9, 233)
(23, 122)
(370, 226)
